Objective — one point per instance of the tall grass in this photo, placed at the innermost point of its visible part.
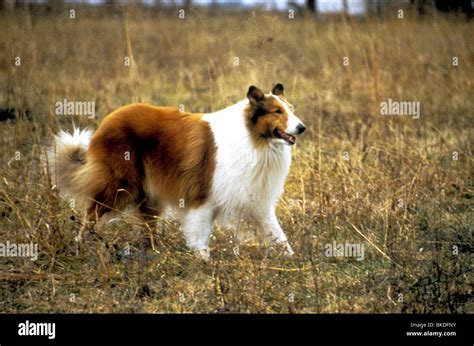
(389, 182)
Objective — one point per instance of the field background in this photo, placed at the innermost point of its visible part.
(401, 192)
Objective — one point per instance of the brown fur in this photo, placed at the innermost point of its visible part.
(171, 158)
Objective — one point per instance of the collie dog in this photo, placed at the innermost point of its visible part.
(225, 166)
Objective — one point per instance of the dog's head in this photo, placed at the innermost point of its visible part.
(270, 116)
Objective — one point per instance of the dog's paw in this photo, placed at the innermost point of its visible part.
(203, 254)
(288, 250)
(282, 247)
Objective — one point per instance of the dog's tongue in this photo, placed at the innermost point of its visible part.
(289, 138)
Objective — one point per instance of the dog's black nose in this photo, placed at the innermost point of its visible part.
(300, 128)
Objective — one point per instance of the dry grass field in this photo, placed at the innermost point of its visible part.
(401, 186)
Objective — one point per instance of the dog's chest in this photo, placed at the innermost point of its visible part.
(247, 182)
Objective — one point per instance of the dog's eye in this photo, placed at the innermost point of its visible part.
(278, 111)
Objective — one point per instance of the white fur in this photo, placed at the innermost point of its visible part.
(247, 182)
(79, 138)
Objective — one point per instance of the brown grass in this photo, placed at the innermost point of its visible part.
(327, 198)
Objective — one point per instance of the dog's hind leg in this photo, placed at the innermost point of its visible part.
(149, 209)
(93, 214)
(148, 214)
(110, 197)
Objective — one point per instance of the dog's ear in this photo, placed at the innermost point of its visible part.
(255, 95)
(278, 90)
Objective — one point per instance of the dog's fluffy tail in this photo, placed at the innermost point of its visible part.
(66, 160)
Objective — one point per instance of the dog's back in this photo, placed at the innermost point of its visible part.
(142, 152)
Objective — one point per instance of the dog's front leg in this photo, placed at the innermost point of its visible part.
(197, 227)
(273, 232)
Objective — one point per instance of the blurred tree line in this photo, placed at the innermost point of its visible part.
(379, 7)
(372, 7)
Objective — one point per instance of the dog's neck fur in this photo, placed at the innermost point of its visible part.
(260, 171)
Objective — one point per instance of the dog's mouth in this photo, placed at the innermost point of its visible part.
(285, 136)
